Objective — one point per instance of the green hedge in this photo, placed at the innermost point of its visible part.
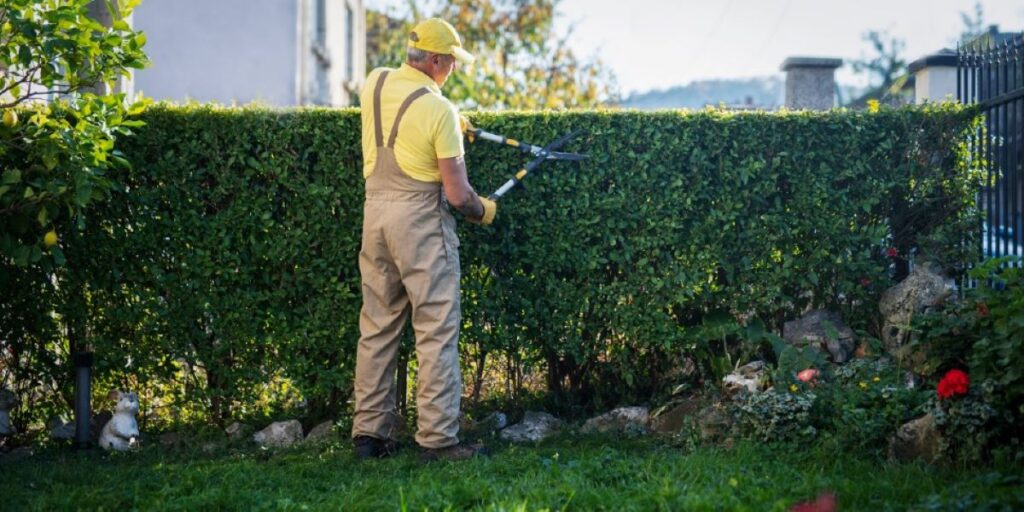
(232, 245)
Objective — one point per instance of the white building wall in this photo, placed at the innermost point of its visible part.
(935, 84)
(332, 60)
(219, 50)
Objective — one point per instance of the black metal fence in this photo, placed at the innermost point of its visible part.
(990, 73)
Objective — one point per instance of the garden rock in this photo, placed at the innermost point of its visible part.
(61, 431)
(279, 434)
(749, 377)
(320, 432)
(917, 439)
(673, 419)
(491, 423)
(714, 422)
(630, 420)
(8, 401)
(921, 291)
(824, 330)
(210, 447)
(172, 439)
(535, 427)
(238, 430)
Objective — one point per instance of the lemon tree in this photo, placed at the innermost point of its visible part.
(58, 131)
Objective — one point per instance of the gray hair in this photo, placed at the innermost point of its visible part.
(416, 55)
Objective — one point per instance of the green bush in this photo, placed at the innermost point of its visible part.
(866, 402)
(228, 261)
(976, 423)
(775, 415)
(984, 335)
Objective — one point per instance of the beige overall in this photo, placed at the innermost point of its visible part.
(409, 261)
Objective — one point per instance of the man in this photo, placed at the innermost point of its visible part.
(409, 259)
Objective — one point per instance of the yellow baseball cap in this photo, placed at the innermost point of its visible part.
(435, 35)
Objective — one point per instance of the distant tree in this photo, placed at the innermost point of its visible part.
(886, 67)
(973, 26)
(522, 62)
(386, 35)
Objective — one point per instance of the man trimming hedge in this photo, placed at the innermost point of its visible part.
(409, 259)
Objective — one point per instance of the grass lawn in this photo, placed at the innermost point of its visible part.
(567, 473)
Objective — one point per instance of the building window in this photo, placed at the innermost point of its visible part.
(350, 37)
(320, 86)
(321, 23)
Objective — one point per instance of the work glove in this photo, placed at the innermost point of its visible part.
(467, 127)
(490, 210)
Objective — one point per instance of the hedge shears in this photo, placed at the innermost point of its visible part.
(540, 154)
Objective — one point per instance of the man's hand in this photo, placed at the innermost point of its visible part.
(464, 124)
(467, 128)
(490, 210)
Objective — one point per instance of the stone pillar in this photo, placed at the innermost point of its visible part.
(935, 77)
(811, 82)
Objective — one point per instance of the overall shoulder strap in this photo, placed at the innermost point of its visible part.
(401, 112)
(378, 130)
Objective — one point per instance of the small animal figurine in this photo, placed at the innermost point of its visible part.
(8, 401)
(122, 431)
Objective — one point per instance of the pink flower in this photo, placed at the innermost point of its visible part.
(826, 502)
(809, 375)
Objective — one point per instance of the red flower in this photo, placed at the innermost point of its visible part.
(954, 383)
(982, 309)
(892, 252)
(865, 282)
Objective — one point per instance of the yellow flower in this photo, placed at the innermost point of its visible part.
(863, 385)
(873, 106)
(793, 388)
(877, 378)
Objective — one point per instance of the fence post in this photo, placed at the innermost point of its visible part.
(810, 82)
(935, 77)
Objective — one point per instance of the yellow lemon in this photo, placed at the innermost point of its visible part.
(50, 239)
(10, 118)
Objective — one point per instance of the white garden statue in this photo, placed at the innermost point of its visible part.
(122, 431)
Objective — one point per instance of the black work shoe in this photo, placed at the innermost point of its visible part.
(454, 452)
(372, 448)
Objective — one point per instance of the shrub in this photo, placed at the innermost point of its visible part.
(973, 425)
(228, 259)
(775, 415)
(984, 335)
(866, 403)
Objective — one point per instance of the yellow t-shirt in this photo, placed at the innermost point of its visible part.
(429, 129)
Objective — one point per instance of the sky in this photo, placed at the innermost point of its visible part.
(657, 44)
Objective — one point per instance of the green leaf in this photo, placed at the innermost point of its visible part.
(12, 177)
